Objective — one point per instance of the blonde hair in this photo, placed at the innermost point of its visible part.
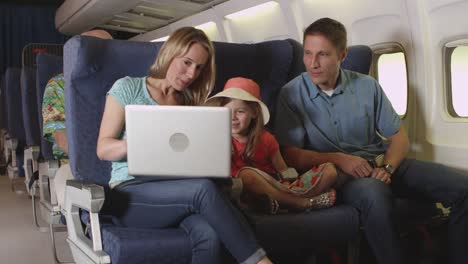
(255, 129)
(178, 45)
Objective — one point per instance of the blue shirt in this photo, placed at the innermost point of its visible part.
(349, 121)
(127, 91)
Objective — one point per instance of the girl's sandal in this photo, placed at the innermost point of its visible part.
(321, 201)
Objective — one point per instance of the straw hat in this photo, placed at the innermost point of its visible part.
(243, 89)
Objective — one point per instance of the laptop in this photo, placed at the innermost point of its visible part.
(178, 141)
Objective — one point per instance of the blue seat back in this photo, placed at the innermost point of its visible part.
(359, 59)
(92, 65)
(29, 106)
(48, 66)
(15, 113)
(268, 63)
(14, 109)
(3, 109)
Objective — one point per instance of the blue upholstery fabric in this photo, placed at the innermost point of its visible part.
(268, 63)
(131, 245)
(92, 65)
(48, 66)
(359, 59)
(320, 229)
(14, 112)
(3, 109)
(29, 107)
(13, 98)
(298, 54)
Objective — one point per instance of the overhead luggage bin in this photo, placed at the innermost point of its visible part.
(134, 16)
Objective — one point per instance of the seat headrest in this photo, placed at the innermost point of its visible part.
(48, 66)
(13, 100)
(29, 105)
(358, 59)
(91, 66)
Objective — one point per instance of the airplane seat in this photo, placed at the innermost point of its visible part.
(409, 213)
(91, 66)
(267, 63)
(48, 66)
(359, 59)
(30, 123)
(3, 125)
(16, 134)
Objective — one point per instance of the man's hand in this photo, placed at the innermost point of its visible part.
(354, 165)
(382, 175)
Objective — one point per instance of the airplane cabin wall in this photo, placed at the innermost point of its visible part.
(445, 136)
(421, 27)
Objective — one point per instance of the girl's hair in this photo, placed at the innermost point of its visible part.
(255, 129)
(178, 45)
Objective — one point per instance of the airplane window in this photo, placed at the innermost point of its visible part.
(160, 39)
(459, 79)
(256, 23)
(211, 30)
(253, 11)
(392, 76)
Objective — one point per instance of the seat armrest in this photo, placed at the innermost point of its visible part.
(31, 154)
(89, 197)
(47, 171)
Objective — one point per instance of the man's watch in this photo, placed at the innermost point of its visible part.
(388, 168)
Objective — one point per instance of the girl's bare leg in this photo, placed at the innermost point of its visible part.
(256, 184)
(329, 177)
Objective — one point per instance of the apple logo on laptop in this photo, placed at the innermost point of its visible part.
(179, 142)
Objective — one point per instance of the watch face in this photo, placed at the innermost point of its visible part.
(389, 168)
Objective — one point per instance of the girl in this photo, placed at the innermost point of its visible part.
(256, 158)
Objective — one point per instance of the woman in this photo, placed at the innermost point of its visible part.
(183, 74)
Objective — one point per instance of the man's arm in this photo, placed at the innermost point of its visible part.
(61, 140)
(53, 113)
(303, 159)
(398, 148)
(396, 152)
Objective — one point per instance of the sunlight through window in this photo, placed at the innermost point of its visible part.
(393, 79)
(210, 29)
(459, 76)
(160, 39)
(253, 10)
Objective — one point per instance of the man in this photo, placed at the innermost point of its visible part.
(328, 114)
(53, 113)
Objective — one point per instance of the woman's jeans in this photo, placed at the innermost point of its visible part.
(418, 180)
(147, 203)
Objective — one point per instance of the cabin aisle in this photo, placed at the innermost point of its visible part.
(20, 241)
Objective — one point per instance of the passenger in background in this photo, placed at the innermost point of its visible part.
(256, 158)
(183, 74)
(53, 115)
(328, 114)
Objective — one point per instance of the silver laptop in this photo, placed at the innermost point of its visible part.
(178, 141)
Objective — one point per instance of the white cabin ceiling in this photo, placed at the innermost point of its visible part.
(132, 16)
